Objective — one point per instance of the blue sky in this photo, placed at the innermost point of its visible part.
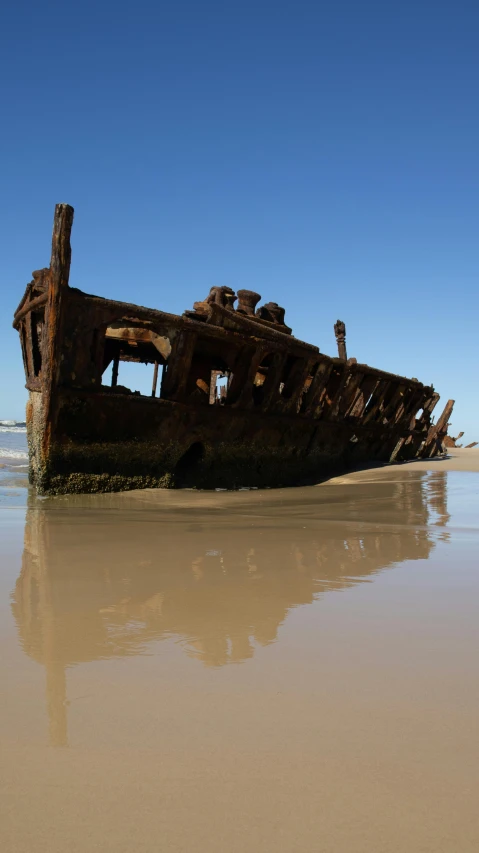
(324, 154)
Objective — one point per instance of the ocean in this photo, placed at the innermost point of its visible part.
(13, 463)
(13, 441)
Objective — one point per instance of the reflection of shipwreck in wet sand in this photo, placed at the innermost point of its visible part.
(241, 401)
(89, 591)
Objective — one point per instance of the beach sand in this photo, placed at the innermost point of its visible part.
(266, 670)
(457, 459)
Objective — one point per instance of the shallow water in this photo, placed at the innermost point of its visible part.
(263, 670)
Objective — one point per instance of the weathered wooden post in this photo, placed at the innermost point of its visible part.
(340, 332)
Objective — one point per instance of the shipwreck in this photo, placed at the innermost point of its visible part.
(236, 399)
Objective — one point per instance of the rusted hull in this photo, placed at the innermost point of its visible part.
(152, 443)
(287, 414)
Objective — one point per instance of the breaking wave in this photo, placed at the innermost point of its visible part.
(8, 453)
(13, 440)
(12, 426)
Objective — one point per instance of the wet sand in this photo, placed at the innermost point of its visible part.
(287, 670)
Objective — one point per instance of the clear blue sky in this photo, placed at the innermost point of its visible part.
(324, 154)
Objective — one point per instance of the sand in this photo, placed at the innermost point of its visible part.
(457, 459)
(271, 670)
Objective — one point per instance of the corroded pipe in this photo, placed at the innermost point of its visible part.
(340, 332)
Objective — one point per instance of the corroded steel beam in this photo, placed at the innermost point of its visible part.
(433, 444)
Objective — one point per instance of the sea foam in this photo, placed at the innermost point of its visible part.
(8, 453)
